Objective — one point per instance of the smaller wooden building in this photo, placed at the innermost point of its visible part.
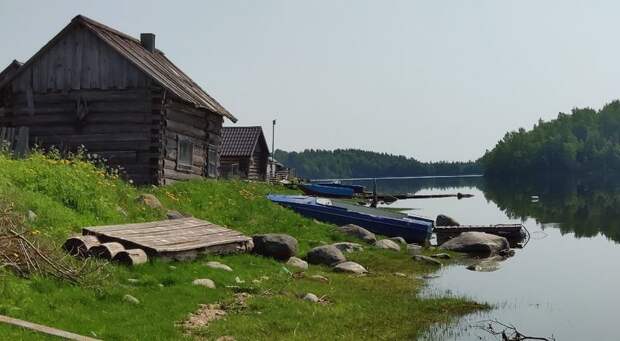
(245, 153)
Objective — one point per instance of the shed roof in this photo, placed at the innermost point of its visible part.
(153, 64)
(241, 141)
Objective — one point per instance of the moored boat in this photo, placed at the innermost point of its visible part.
(388, 223)
(357, 189)
(327, 191)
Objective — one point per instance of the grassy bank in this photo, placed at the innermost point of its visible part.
(67, 195)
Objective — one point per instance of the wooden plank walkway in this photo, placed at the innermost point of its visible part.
(184, 237)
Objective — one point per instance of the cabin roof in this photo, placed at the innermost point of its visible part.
(154, 64)
(241, 141)
(9, 70)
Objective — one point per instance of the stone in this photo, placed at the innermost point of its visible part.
(358, 232)
(297, 263)
(326, 254)
(441, 256)
(205, 282)
(278, 246)
(319, 278)
(171, 214)
(398, 240)
(414, 249)
(311, 297)
(239, 280)
(476, 242)
(348, 247)
(427, 260)
(219, 266)
(444, 220)
(172, 267)
(387, 244)
(150, 200)
(350, 267)
(130, 299)
(31, 216)
(487, 265)
(400, 274)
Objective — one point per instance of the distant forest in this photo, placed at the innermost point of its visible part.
(354, 163)
(586, 141)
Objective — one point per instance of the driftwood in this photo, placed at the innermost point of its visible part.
(508, 332)
(131, 257)
(44, 329)
(80, 245)
(106, 250)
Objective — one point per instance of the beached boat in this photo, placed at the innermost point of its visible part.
(384, 222)
(327, 191)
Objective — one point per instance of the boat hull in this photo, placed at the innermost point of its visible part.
(412, 229)
(327, 191)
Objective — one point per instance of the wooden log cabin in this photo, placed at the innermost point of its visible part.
(120, 98)
(244, 153)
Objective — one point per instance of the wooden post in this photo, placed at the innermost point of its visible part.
(80, 245)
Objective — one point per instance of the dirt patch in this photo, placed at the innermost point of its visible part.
(203, 316)
(207, 313)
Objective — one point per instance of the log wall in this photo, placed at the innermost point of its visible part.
(80, 91)
(199, 126)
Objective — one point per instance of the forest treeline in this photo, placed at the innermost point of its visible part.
(586, 141)
(355, 163)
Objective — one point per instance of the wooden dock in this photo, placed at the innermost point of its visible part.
(178, 238)
(515, 233)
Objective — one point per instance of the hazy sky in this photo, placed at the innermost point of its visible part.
(436, 80)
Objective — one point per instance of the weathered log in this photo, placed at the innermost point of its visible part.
(131, 257)
(80, 245)
(106, 250)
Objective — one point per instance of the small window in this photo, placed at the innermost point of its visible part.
(185, 152)
(211, 161)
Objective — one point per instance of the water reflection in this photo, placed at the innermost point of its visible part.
(585, 207)
(564, 283)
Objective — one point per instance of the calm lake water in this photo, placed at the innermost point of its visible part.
(565, 282)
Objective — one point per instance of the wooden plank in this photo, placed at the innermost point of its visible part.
(44, 329)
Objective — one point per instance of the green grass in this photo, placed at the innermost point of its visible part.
(67, 195)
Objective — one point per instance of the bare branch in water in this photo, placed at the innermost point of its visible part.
(508, 332)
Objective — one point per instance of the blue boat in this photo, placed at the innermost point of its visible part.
(392, 224)
(358, 189)
(327, 191)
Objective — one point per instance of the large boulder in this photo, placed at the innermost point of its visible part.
(278, 246)
(358, 232)
(444, 220)
(477, 242)
(326, 254)
(350, 267)
(387, 244)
